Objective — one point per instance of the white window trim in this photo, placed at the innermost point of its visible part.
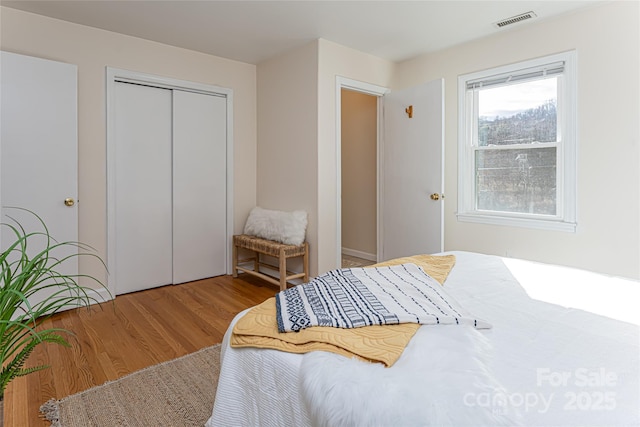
(565, 220)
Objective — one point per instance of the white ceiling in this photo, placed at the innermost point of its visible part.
(252, 31)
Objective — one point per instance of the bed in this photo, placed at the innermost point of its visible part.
(563, 350)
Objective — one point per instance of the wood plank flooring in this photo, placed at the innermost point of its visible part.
(134, 331)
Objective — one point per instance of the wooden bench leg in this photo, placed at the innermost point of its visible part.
(234, 256)
(305, 262)
(256, 262)
(279, 252)
(283, 270)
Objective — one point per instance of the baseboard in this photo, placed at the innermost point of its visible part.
(101, 295)
(360, 254)
(96, 296)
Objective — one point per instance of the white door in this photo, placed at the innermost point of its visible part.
(199, 186)
(413, 171)
(38, 151)
(167, 164)
(143, 223)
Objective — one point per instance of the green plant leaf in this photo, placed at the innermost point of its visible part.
(27, 275)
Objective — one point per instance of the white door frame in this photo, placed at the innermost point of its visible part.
(377, 91)
(119, 75)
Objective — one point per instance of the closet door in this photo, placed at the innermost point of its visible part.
(199, 186)
(143, 223)
(39, 154)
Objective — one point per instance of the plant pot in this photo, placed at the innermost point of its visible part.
(1, 412)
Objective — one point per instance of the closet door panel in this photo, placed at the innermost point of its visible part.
(143, 187)
(199, 186)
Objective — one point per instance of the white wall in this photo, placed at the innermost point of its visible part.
(297, 154)
(606, 39)
(92, 50)
(295, 165)
(287, 140)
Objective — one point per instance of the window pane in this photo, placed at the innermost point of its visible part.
(516, 180)
(521, 113)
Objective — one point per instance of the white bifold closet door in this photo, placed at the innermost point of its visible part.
(170, 195)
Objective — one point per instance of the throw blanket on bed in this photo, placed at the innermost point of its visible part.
(356, 297)
(382, 344)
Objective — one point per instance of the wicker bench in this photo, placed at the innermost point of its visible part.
(274, 249)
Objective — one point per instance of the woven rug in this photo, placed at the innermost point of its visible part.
(350, 262)
(179, 392)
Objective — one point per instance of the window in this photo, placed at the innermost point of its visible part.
(516, 144)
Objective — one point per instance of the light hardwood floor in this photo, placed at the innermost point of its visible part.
(135, 331)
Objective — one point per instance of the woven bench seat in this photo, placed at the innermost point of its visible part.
(278, 250)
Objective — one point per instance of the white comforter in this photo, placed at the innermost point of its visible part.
(541, 364)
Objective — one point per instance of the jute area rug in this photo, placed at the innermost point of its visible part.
(179, 392)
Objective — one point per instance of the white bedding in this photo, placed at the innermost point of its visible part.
(541, 364)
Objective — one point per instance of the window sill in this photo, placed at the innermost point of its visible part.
(539, 224)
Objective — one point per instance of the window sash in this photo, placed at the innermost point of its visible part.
(559, 205)
(520, 76)
(473, 114)
(561, 65)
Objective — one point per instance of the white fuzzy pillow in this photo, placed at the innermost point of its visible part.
(284, 227)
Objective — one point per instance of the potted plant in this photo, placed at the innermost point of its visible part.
(32, 289)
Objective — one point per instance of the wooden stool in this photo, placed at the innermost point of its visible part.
(274, 249)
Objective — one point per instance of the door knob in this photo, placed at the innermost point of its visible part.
(436, 196)
(69, 202)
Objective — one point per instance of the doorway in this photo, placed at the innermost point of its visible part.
(359, 132)
(373, 92)
(410, 168)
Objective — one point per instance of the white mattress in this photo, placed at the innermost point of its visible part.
(556, 364)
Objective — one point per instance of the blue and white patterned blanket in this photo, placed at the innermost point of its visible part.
(356, 297)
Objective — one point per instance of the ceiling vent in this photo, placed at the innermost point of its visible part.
(515, 19)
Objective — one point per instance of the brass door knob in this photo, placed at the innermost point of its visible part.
(69, 202)
(436, 196)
